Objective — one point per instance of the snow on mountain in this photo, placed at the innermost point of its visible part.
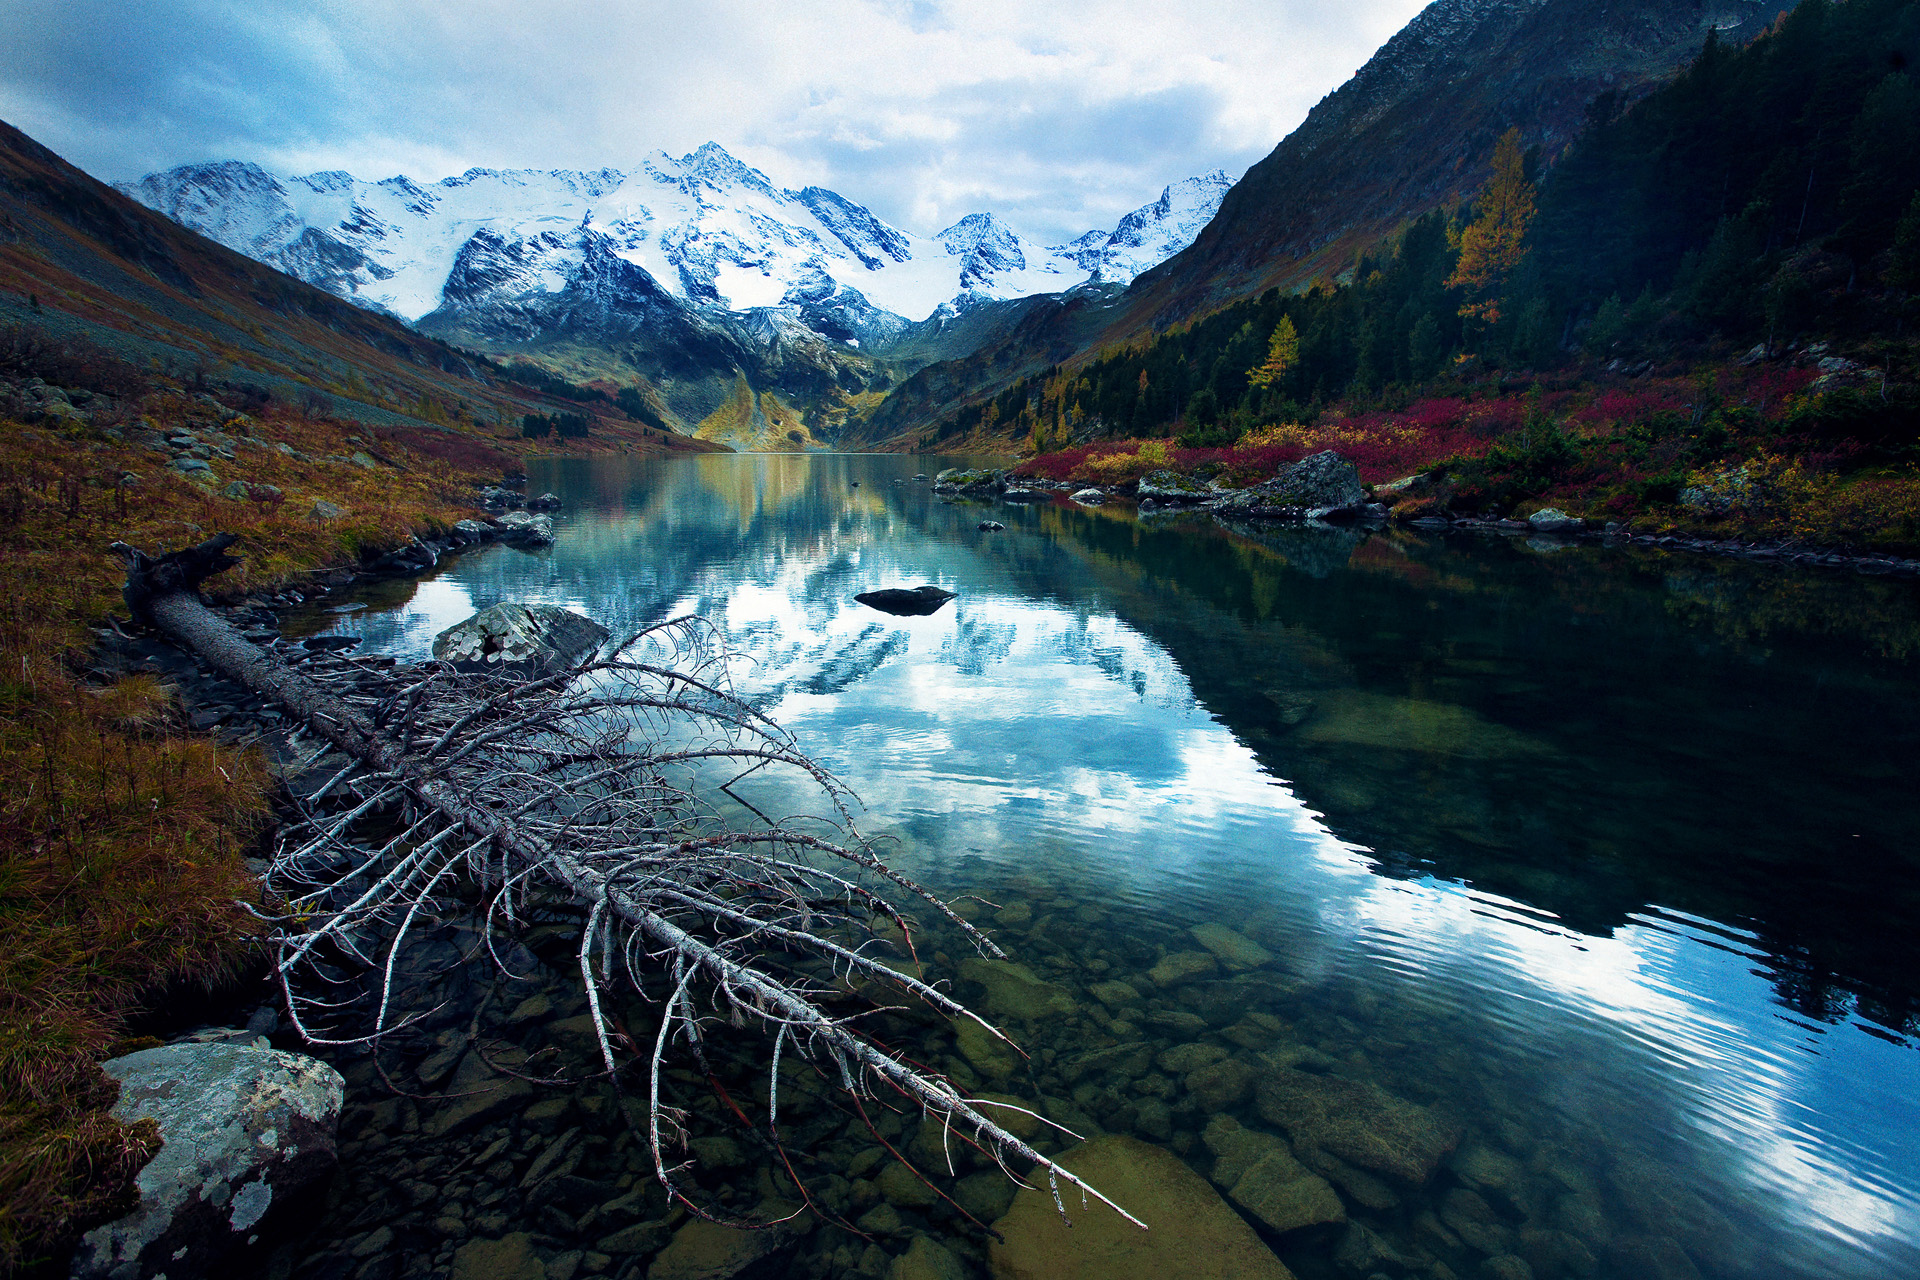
(710, 232)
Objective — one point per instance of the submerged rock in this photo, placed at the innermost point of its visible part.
(1362, 1124)
(915, 602)
(702, 1250)
(1193, 1234)
(1233, 949)
(510, 637)
(242, 1127)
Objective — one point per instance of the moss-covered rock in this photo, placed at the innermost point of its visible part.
(1361, 1123)
(1193, 1234)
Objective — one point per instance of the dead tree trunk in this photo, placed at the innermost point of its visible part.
(566, 783)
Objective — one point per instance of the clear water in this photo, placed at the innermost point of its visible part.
(1606, 856)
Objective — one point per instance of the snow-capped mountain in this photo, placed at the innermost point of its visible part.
(705, 230)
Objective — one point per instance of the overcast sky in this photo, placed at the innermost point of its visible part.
(1058, 116)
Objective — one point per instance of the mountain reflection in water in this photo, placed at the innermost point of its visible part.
(1619, 839)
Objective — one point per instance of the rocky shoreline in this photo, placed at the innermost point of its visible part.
(1322, 495)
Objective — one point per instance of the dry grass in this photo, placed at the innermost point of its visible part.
(121, 835)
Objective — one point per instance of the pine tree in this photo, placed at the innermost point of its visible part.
(1283, 352)
(1495, 242)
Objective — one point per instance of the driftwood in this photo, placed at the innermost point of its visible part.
(581, 785)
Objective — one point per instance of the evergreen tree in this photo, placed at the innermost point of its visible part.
(1495, 241)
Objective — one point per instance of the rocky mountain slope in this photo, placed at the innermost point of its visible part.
(690, 272)
(1412, 131)
(80, 260)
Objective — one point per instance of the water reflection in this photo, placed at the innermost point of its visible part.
(1605, 854)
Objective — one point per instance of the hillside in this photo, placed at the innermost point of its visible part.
(1411, 132)
(80, 261)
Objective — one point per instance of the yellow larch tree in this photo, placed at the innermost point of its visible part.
(1495, 241)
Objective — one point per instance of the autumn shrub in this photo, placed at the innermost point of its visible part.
(121, 835)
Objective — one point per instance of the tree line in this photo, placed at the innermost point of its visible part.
(1769, 193)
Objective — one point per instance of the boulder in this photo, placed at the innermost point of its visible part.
(1362, 1124)
(1171, 486)
(915, 602)
(1015, 991)
(545, 502)
(1183, 967)
(466, 531)
(991, 526)
(242, 1128)
(478, 1093)
(526, 529)
(926, 1260)
(702, 1250)
(972, 483)
(1233, 949)
(1312, 488)
(1286, 1195)
(1554, 520)
(1089, 497)
(1193, 1234)
(509, 1258)
(519, 638)
(323, 512)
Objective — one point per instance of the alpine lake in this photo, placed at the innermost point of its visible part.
(1425, 905)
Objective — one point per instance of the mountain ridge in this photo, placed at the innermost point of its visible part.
(686, 273)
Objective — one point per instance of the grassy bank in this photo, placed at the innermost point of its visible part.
(121, 835)
(1778, 452)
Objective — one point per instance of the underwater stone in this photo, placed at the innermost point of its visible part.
(990, 1056)
(1194, 1234)
(926, 1260)
(1182, 967)
(1286, 1195)
(1235, 950)
(1015, 991)
(1220, 1085)
(1361, 1123)
(1115, 995)
(1183, 1058)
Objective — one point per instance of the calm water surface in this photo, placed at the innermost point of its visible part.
(1606, 856)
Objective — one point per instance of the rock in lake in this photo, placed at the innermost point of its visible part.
(242, 1128)
(528, 530)
(1311, 488)
(960, 480)
(1193, 1233)
(991, 526)
(702, 1250)
(518, 637)
(906, 602)
(545, 502)
(1089, 497)
(1362, 1124)
(1554, 520)
(1171, 486)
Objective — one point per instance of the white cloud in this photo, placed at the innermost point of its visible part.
(1059, 117)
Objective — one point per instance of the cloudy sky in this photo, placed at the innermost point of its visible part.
(1058, 116)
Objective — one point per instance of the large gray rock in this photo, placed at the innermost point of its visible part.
(518, 637)
(1311, 488)
(527, 529)
(1171, 486)
(243, 1127)
(961, 480)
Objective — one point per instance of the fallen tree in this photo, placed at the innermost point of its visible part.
(583, 784)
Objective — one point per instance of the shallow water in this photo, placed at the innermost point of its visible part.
(1603, 857)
